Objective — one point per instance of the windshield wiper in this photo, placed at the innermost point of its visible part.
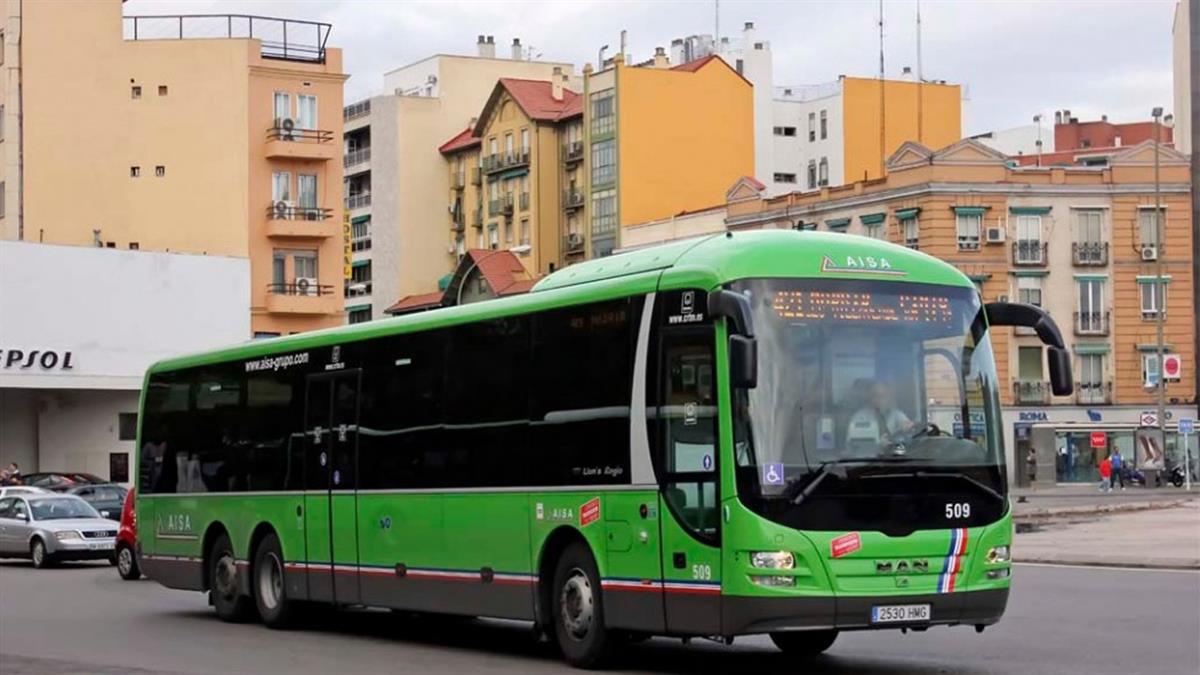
(824, 470)
(983, 487)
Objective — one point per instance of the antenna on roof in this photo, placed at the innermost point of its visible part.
(920, 82)
(717, 23)
(882, 98)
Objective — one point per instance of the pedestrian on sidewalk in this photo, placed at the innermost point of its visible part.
(1105, 475)
(1031, 466)
(1117, 464)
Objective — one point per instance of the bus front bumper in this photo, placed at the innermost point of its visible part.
(744, 615)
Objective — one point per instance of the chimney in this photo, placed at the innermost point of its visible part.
(749, 25)
(906, 74)
(1057, 117)
(488, 48)
(556, 84)
(660, 58)
(517, 54)
(787, 92)
(1104, 118)
(480, 46)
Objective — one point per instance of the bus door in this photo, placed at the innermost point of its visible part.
(687, 468)
(331, 518)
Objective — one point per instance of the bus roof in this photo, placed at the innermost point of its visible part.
(697, 263)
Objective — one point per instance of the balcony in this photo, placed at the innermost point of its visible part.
(506, 160)
(357, 289)
(1091, 323)
(573, 243)
(302, 297)
(358, 201)
(356, 157)
(1091, 393)
(458, 220)
(300, 222)
(1030, 252)
(458, 180)
(284, 39)
(572, 200)
(1034, 392)
(524, 201)
(572, 153)
(356, 110)
(1089, 254)
(292, 143)
(501, 207)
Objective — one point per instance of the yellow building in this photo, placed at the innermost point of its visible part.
(209, 146)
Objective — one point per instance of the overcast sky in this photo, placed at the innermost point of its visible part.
(1017, 57)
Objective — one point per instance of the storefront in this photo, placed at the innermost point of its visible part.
(1069, 442)
(79, 326)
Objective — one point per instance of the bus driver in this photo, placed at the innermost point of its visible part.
(878, 421)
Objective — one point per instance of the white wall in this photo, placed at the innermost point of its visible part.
(78, 429)
(1181, 66)
(792, 153)
(1020, 140)
(115, 311)
(758, 68)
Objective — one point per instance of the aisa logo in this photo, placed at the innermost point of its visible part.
(860, 264)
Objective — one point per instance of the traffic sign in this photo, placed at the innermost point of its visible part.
(1149, 418)
(1099, 439)
(1187, 425)
(1172, 366)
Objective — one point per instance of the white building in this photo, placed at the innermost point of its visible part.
(1022, 140)
(78, 328)
(1184, 80)
(396, 184)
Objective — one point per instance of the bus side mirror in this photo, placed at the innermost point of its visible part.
(743, 347)
(1058, 359)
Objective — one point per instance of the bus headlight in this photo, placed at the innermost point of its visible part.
(69, 534)
(998, 554)
(773, 560)
(773, 582)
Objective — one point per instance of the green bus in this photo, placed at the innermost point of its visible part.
(778, 432)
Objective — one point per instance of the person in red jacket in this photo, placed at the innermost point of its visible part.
(1106, 475)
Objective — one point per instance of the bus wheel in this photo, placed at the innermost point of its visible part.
(230, 604)
(578, 609)
(804, 643)
(270, 589)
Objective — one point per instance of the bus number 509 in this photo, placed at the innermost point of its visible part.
(959, 510)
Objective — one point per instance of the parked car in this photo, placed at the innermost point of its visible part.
(13, 490)
(127, 562)
(106, 498)
(50, 528)
(61, 480)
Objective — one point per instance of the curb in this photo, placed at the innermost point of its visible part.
(1122, 507)
(1192, 566)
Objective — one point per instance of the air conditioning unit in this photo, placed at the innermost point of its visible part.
(995, 235)
(312, 214)
(282, 209)
(1149, 252)
(574, 239)
(306, 286)
(1002, 298)
(286, 127)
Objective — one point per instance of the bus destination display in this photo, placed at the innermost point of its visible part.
(854, 306)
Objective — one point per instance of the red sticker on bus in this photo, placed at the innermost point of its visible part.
(589, 512)
(845, 544)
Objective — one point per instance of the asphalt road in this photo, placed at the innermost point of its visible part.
(83, 619)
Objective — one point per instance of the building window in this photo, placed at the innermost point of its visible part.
(968, 225)
(135, 91)
(264, 335)
(604, 162)
(604, 212)
(1089, 237)
(281, 186)
(524, 233)
(1091, 378)
(135, 171)
(162, 90)
(1150, 368)
(282, 106)
(875, 230)
(604, 113)
(362, 315)
(508, 233)
(306, 186)
(812, 127)
(1091, 317)
(785, 131)
(785, 178)
(1153, 297)
(1029, 290)
(126, 426)
(2, 198)
(812, 174)
(160, 171)
(306, 105)
(824, 126)
(912, 232)
(1029, 239)
(525, 140)
(823, 173)
(133, 246)
(1149, 230)
(118, 467)
(304, 263)
(2, 124)
(739, 66)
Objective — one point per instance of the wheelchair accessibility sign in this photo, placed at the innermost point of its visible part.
(772, 474)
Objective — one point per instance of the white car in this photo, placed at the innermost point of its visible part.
(47, 528)
(13, 490)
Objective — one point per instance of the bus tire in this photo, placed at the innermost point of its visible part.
(227, 598)
(805, 644)
(578, 608)
(269, 585)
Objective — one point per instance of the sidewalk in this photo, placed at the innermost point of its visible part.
(1162, 536)
(1087, 498)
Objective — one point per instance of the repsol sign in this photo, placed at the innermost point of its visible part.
(44, 359)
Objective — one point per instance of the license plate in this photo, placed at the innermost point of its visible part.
(95, 547)
(899, 613)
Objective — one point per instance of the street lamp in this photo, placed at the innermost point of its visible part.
(1159, 289)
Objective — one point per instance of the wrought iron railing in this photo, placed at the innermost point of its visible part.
(356, 110)
(1089, 253)
(281, 211)
(358, 201)
(300, 287)
(1091, 323)
(1031, 391)
(572, 199)
(287, 39)
(1093, 392)
(356, 157)
(1030, 252)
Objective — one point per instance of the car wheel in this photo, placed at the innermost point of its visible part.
(127, 565)
(270, 585)
(578, 608)
(37, 553)
(804, 644)
(227, 598)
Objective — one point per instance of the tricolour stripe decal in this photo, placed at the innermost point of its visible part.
(656, 585)
(952, 564)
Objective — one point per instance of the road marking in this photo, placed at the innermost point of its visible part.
(1107, 568)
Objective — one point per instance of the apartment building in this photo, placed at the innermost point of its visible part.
(1092, 143)
(815, 135)
(395, 177)
(1079, 241)
(200, 134)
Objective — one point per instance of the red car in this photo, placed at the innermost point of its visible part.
(126, 551)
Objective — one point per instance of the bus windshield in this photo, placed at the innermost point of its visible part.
(867, 391)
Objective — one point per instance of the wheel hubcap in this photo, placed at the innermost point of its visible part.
(270, 581)
(125, 561)
(225, 579)
(39, 553)
(578, 604)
